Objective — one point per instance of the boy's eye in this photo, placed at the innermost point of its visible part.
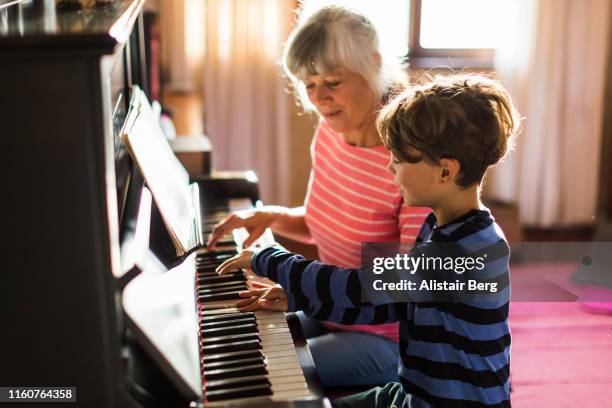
(310, 86)
(332, 84)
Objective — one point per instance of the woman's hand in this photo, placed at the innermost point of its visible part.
(255, 223)
(269, 298)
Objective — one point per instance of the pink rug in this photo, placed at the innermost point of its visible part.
(561, 353)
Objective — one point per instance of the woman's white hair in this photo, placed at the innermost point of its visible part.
(335, 37)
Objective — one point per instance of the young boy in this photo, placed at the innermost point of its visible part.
(443, 136)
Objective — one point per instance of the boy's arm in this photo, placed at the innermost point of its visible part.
(313, 285)
(323, 291)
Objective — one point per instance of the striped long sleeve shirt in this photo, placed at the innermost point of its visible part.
(451, 353)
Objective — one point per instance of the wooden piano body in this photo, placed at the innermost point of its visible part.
(71, 194)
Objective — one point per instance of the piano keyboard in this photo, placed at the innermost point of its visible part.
(245, 355)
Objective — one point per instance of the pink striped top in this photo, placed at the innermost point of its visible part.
(352, 199)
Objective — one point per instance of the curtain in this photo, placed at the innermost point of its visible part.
(513, 62)
(175, 73)
(560, 86)
(249, 115)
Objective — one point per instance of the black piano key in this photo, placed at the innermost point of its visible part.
(213, 273)
(213, 261)
(236, 382)
(237, 346)
(211, 279)
(223, 373)
(230, 295)
(220, 323)
(230, 330)
(233, 363)
(211, 257)
(219, 291)
(241, 392)
(214, 219)
(236, 316)
(216, 324)
(236, 279)
(207, 266)
(220, 211)
(215, 310)
(220, 279)
(230, 339)
(231, 356)
(215, 254)
(226, 243)
(221, 285)
(210, 291)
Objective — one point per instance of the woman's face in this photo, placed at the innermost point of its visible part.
(344, 99)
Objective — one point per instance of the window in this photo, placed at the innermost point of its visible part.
(459, 24)
(452, 33)
(389, 16)
(455, 33)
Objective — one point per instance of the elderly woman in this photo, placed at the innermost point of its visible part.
(334, 62)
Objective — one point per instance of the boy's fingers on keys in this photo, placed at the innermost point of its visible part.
(251, 293)
(278, 305)
(250, 305)
(255, 301)
(244, 303)
(241, 261)
(252, 297)
(229, 265)
(273, 299)
(258, 285)
(250, 275)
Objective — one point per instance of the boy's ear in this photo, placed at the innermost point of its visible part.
(449, 170)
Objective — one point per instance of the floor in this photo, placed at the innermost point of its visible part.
(561, 352)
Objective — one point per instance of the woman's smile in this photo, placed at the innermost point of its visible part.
(332, 114)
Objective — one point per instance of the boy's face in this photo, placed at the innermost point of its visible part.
(418, 182)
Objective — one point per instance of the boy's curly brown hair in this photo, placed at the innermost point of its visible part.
(466, 117)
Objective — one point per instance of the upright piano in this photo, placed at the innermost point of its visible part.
(93, 293)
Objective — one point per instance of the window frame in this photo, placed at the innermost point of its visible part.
(419, 57)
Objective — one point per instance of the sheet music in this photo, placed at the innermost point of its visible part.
(163, 173)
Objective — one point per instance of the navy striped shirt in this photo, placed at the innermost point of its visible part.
(451, 353)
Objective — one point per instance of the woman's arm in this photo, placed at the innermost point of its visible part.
(291, 224)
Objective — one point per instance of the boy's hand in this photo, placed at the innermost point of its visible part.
(270, 298)
(258, 282)
(241, 261)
